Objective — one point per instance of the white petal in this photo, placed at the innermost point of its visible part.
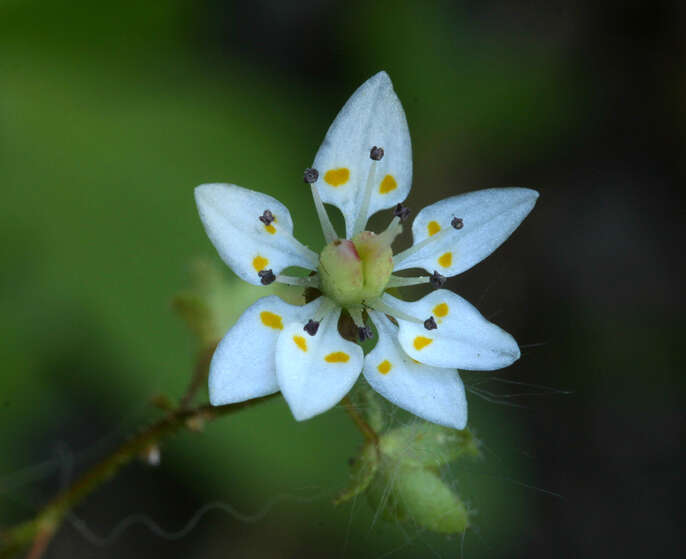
(231, 215)
(489, 217)
(315, 372)
(243, 366)
(373, 116)
(464, 339)
(434, 394)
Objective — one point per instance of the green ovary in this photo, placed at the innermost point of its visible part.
(354, 271)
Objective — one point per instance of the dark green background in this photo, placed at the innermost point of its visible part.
(110, 114)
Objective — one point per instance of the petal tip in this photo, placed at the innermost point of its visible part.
(524, 194)
(517, 353)
(381, 75)
(380, 80)
(217, 396)
(533, 195)
(460, 424)
(214, 399)
(302, 416)
(301, 411)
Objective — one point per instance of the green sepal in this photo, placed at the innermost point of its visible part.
(402, 474)
(362, 472)
(414, 494)
(424, 444)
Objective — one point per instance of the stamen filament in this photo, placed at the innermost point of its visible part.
(392, 231)
(356, 315)
(397, 281)
(381, 306)
(309, 281)
(330, 234)
(361, 218)
(324, 309)
(399, 258)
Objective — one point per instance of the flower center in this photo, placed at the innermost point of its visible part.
(356, 270)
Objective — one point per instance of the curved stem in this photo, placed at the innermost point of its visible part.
(199, 378)
(364, 427)
(40, 529)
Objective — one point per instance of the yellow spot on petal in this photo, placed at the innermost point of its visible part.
(446, 259)
(433, 228)
(384, 367)
(271, 320)
(337, 177)
(387, 184)
(421, 342)
(300, 342)
(270, 229)
(441, 310)
(259, 263)
(337, 357)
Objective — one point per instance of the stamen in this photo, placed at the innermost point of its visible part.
(457, 223)
(376, 153)
(311, 327)
(437, 280)
(401, 211)
(361, 218)
(324, 309)
(404, 255)
(309, 281)
(382, 306)
(398, 281)
(266, 277)
(267, 217)
(365, 333)
(356, 315)
(430, 323)
(392, 231)
(310, 177)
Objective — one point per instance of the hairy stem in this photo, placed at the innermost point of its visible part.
(39, 530)
(199, 378)
(364, 427)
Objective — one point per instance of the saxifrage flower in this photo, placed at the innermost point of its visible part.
(363, 166)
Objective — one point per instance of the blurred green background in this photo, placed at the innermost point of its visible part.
(111, 113)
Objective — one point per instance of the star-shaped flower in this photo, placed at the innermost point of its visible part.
(364, 165)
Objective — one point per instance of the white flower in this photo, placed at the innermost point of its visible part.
(298, 349)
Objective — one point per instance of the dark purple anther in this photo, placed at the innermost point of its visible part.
(430, 323)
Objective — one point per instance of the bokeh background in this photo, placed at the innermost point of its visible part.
(110, 114)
